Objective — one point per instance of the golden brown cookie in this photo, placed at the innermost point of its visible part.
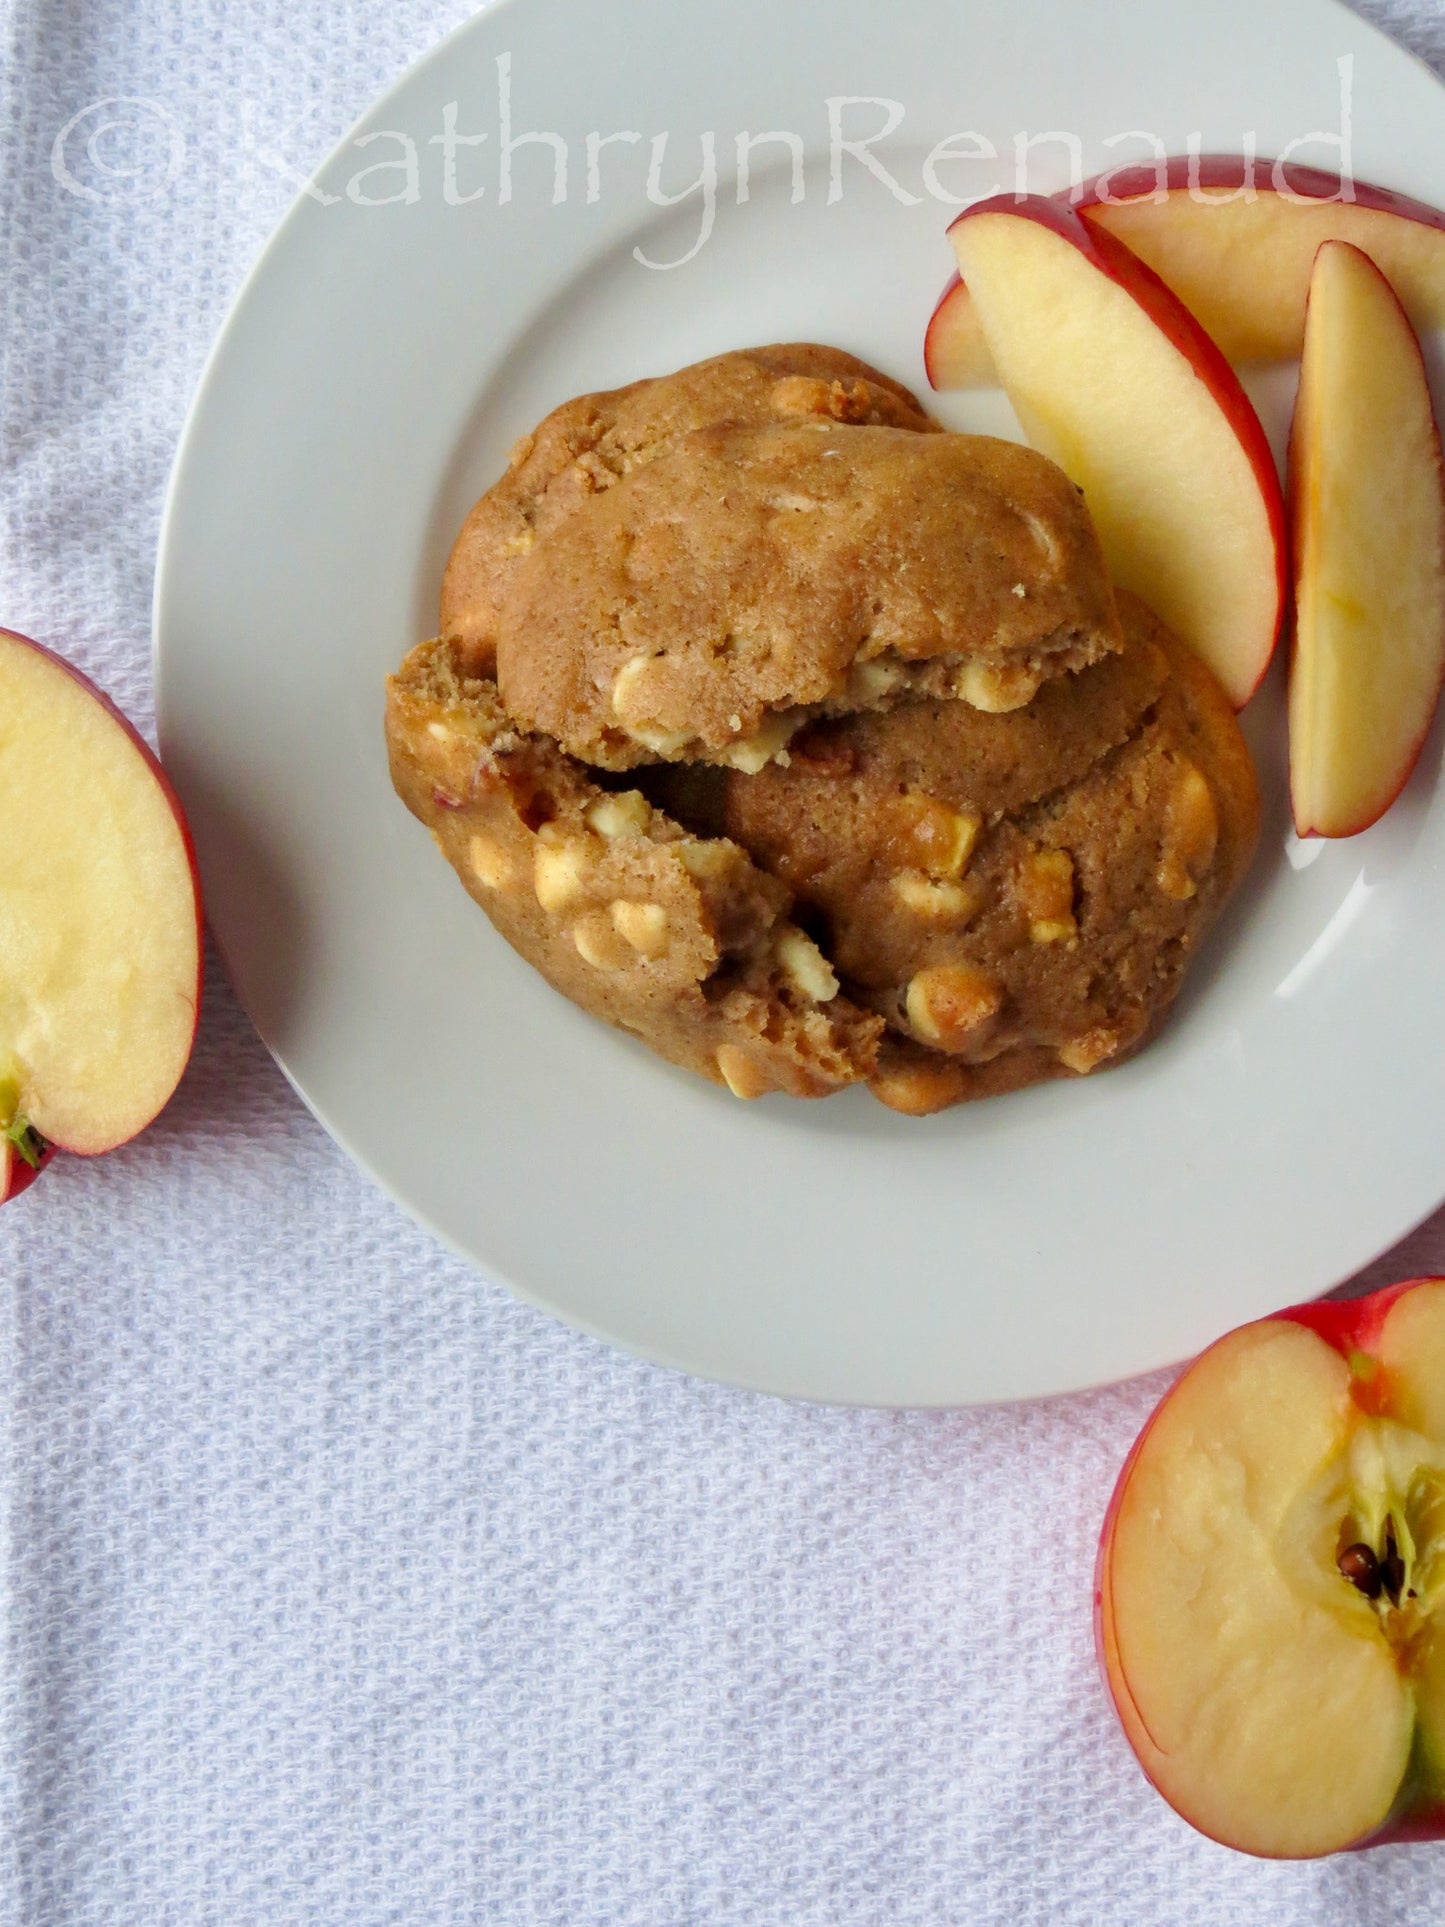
(802, 740)
(1018, 895)
(725, 593)
(683, 942)
(592, 441)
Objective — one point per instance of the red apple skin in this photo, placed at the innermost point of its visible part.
(1348, 1325)
(153, 763)
(1169, 314)
(935, 325)
(1296, 509)
(1210, 173)
(22, 1175)
(935, 341)
(1182, 172)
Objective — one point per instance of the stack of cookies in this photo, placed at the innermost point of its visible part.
(812, 745)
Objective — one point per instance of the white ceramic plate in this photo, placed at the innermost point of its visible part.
(1288, 1126)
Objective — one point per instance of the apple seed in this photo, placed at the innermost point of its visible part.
(1360, 1566)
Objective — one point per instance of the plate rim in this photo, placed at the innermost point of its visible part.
(166, 724)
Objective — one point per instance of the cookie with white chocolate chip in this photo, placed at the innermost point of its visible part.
(591, 442)
(804, 742)
(752, 579)
(680, 940)
(1018, 895)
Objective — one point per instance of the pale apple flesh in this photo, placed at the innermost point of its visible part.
(100, 933)
(955, 353)
(1367, 503)
(1236, 250)
(1111, 377)
(1271, 1594)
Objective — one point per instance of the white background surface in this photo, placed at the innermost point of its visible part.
(335, 1586)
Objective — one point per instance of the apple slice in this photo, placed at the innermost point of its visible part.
(955, 354)
(1271, 1580)
(1235, 247)
(100, 923)
(1111, 376)
(1367, 505)
(1238, 250)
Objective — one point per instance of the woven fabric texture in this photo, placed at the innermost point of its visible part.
(336, 1586)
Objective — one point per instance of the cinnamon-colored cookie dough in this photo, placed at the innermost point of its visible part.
(715, 599)
(1018, 895)
(582, 448)
(804, 742)
(682, 941)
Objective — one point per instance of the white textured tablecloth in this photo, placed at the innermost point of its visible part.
(335, 1585)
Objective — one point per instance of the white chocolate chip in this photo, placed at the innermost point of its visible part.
(1044, 536)
(491, 865)
(560, 871)
(626, 814)
(755, 752)
(742, 1076)
(440, 731)
(869, 682)
(1046, 891)
(634, 702)
(919, 1089)
(662, 742)
(996, 688)
(930, 835)
(805, 967)
(598, 942)
(706, 859)
(949, 1004)
(629, 689)
(936, 899)
(643, 925)
(1191, 835)
(1081, 1054)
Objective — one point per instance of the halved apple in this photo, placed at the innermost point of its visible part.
(1235, 247)
(1367, 505)
(100, 920)
(1271, 1580)
(1112, 377)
